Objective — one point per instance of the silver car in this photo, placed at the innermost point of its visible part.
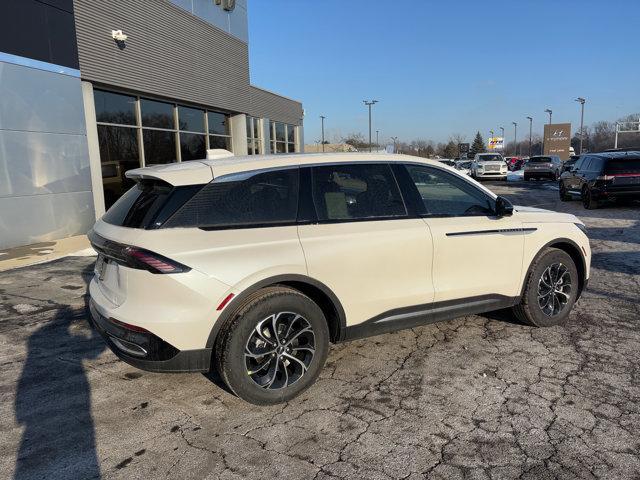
(543, 166)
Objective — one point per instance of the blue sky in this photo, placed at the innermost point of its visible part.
(445, 67)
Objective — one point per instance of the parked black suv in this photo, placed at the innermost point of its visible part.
(599, 177)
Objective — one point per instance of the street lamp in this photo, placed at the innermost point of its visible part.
(504, 144)
(581, 101)
(377, 142)
(395, 144)
(490, 136)
(515, 138)
(530, 132)
(368, 103)
(549, 111)
(322, 117)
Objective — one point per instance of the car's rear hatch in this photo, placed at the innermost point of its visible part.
(622, 175)
(123, 237)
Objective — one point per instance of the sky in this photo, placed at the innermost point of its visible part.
(440, 68)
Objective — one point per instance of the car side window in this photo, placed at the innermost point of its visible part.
(444, 194)
(247, 199)
(585, 164)
(578, 164)
(595, 165)
(356, 192)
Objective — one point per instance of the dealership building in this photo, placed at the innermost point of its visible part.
(92, 88)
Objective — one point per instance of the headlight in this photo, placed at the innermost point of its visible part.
(581, 227)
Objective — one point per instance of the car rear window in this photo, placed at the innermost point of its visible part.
(623, 166)
(148, 204)
(540, 160)
(243, 200)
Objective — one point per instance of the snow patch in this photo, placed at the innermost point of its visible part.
(87, 252)
(25, 308)
(516, 176)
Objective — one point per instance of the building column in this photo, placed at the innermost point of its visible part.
(94, 149)
(239, 134)
(299, 139)
(266, 136)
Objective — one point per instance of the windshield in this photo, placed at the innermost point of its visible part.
(540, 160)
(490, 158)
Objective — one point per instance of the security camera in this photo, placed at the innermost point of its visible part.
(118, 36)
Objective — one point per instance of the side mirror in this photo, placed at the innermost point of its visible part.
(504, 207)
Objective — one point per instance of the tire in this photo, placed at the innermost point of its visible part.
(530, 310)
(526, 178)
(304, 325)
(588, 201)
(564, 196)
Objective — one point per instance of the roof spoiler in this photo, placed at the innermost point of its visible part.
(176, 174)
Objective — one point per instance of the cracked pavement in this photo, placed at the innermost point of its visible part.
(479, 397)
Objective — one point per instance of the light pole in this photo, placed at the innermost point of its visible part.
(377, 142)
(530, 132)
(504, 144)
(368, 103)
(395, 144)
(581, 101)
(549, 111)
(490, 136)
(322, 117)
(515, 138)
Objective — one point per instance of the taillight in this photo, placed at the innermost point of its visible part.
(605, 177)
(151, 261)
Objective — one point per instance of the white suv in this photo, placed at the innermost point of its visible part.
(253, 266)
(489, 165)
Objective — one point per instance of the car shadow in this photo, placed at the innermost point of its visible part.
(53, 399)
(618, 262)
(504, 315)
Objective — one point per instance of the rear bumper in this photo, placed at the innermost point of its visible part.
(146, 351)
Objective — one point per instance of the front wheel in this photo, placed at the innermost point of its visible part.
(550, 291)
(274, 347)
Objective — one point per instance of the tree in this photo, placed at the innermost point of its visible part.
(451, 150)
(477, 146)
(356, 140)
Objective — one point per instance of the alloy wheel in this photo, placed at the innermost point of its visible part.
(554, 289)
(279, 350)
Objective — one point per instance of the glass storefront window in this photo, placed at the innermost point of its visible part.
(156, 114)
(115, 108)
(218, 123)
(190, 119)
(291, 133)
(253, 136)
(159, 146)
(216, 141)
(192, 146)
(291, 147)
(118, 154)
(280, 132)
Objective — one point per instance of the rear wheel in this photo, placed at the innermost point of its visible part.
(550, 291)
(587, 199)
(564, 195)
(274, 346)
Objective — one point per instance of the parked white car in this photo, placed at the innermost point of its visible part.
(490, 166)
(252, 266)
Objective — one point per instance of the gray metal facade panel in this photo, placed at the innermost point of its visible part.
(39, 101)
(39, 218)
(169, 52)
(275, 107)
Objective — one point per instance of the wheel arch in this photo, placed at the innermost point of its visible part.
(573, 250)
(322, 295)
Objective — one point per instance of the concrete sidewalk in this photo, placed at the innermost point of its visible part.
(44, 251)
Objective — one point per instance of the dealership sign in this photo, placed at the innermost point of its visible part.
(557, 139)
(496, 143)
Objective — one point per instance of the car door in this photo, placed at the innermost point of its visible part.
(477, 256)
(364, 244)
(572, 181)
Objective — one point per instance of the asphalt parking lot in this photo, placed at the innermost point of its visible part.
(478, 397)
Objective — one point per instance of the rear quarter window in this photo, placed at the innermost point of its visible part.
(248, 199)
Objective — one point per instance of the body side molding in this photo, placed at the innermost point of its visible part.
(493, 231)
